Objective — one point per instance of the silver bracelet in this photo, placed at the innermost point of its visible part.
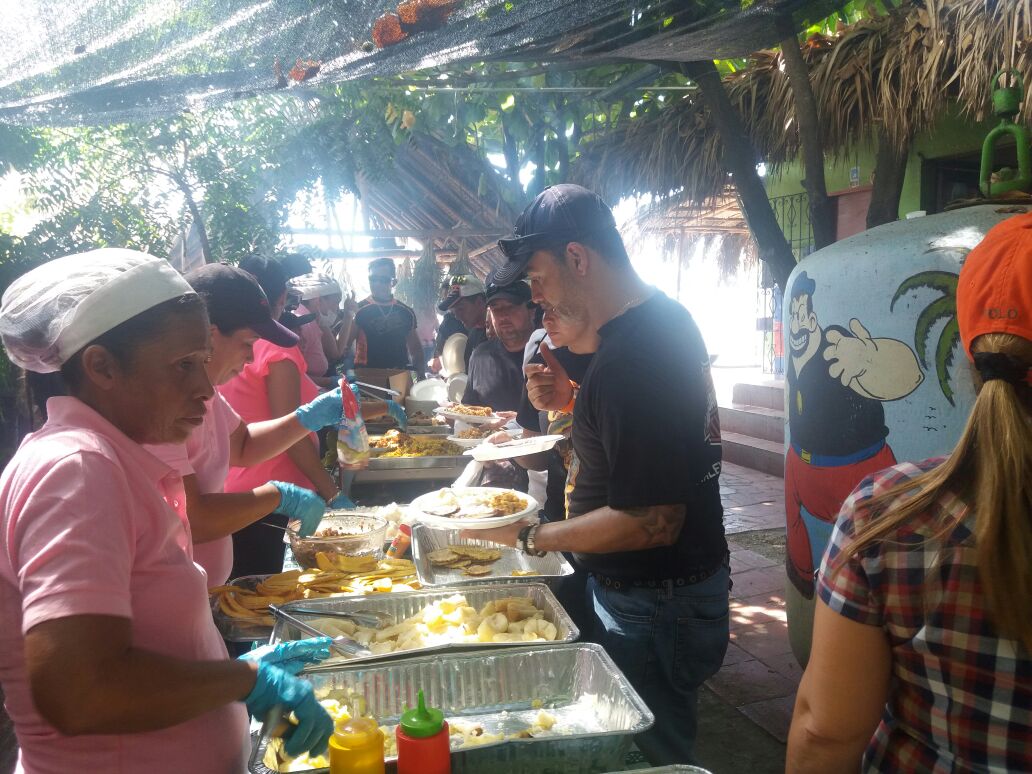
(531, 548)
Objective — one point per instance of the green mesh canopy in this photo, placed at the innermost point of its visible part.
(67, 62)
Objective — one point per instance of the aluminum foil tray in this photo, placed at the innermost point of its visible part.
(404, 463)
(379, 428)
(236, 630)
(405, 604)
(678, 768)
(550, 568)
(596, 709)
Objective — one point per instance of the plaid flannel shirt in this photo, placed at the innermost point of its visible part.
(961, 696)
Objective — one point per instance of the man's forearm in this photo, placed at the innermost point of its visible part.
(606, 530)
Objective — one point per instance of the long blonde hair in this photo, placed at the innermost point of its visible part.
(990, 470)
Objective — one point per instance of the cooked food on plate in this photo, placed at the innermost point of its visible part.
(471, 411)
(473, 433)
(472, 503)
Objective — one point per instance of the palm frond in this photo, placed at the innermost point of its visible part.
(937, 310)
(942, 281)
(900, 71)
(948, 340)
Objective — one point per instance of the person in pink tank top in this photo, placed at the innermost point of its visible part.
(273, 384)
(109, 657)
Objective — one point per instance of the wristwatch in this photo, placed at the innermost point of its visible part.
(525, 541)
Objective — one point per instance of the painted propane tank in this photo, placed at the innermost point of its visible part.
(874, 370)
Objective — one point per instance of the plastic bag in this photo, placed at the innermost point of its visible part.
(352, 437)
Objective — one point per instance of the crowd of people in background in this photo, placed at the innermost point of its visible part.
(182, 419)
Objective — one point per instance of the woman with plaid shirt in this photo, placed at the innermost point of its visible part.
(922, 642)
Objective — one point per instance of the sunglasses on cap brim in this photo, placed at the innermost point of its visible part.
(521, 247)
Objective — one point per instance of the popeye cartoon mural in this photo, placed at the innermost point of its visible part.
(837, 382)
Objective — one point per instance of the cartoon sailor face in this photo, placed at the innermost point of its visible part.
(802, 324)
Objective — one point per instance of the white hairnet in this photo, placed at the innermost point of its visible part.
(53, 311)
(315, 285)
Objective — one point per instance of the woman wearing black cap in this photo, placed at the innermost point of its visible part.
(240, 316)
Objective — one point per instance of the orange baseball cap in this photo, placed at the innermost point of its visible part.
(994, 294)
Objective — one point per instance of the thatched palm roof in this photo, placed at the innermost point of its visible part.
(898, 70)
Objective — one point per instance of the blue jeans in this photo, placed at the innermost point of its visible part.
(667, 641)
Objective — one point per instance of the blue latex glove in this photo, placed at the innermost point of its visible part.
(277, 688)
(341, 502)
(324, 411)
(300, 503)
(398, 413)
(357, 392)
(291, 656)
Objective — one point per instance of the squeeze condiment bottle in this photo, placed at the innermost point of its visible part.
(423, 741)
(400, 545)
(357, 748)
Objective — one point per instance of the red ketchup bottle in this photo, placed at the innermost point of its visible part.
(423, 741)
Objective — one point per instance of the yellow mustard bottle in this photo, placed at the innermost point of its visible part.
(357, 748)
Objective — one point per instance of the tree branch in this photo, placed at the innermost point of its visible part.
(739, 158)
(890, 168)
(822, 215)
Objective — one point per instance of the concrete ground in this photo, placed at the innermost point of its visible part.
(746, 708)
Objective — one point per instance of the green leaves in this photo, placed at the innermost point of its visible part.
(942, 308)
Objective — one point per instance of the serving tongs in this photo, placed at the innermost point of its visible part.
(372, 619)
(344, 645)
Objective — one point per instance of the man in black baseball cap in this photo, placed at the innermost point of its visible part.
(496, 366)
(644, 511)
(558, 215)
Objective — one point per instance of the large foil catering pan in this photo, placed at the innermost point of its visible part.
(406, 463)
(550, 568)
(405, 604)
(239, 630)
(596, 709)
(677, 768)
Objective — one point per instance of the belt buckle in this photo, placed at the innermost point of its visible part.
(805, 456)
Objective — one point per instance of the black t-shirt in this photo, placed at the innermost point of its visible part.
(383, 334)
(495, 377)
(530, 418)
(826, 416)
(646, 432)
(474, 339)
(449, 326)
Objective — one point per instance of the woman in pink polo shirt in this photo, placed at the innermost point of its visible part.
(109, 657)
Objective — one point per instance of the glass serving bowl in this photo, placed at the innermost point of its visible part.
(358, 535)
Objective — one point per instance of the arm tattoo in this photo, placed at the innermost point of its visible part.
(661, 524)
